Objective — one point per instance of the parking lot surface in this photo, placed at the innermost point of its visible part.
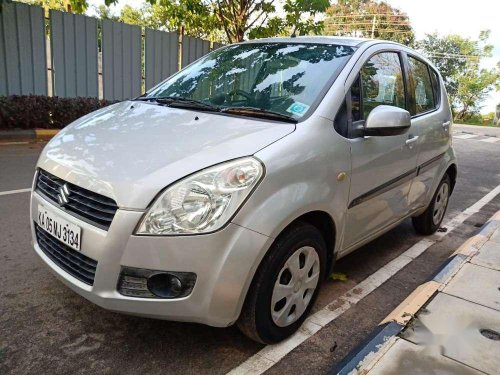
(44, 326)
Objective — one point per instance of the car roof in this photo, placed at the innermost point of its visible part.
(347, 41)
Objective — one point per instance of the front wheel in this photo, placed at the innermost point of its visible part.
(429, 221)
(285, 285)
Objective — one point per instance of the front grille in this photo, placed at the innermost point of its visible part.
(73, 262)
(92, 207)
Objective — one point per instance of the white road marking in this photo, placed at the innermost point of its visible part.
(272, 354)
(13, 143)
(9, 192)
(490, 140)
(465, 136)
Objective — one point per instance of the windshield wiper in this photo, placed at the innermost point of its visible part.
(258, 112)
(180, 102)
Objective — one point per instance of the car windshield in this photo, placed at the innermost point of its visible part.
(284, 78)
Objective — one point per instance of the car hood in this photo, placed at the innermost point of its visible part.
(130, 151)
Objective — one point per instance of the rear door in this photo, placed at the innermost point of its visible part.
(431, 119)
(382, 166)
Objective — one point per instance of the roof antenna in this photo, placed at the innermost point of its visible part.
(294, 35)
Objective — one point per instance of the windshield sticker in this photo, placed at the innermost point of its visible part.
(298, 108)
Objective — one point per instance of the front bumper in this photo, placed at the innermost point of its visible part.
(224, 263)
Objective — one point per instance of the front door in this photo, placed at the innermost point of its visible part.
(382, 166)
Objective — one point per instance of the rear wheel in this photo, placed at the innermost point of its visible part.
(285, 285)
(429, 221)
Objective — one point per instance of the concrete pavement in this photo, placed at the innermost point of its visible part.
(449, 325)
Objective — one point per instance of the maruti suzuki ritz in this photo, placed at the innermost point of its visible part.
(226, 193)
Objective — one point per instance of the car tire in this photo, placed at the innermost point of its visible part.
(294, 261)
(430, 220)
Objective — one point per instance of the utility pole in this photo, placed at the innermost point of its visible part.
(373, 26)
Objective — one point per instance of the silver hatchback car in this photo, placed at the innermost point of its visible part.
(226, 193)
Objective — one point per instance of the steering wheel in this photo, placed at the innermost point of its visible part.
(248, 96)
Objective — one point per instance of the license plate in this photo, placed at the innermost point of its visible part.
(59, 228)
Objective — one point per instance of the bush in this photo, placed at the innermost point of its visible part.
(37, 111)
(477, 119)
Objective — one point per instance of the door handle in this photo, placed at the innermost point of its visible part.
(411, 140)
(446, 124)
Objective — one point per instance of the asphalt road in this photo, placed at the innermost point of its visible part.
(492, 131)
(45, 327)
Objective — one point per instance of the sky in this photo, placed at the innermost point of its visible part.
(466, 18)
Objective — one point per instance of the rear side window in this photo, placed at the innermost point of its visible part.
(421, 85)
(382, 82)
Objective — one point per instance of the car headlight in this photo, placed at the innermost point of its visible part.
(204, 201)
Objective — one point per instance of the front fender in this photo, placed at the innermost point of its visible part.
(300, 178)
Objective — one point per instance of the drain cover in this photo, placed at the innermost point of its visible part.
(490, 334)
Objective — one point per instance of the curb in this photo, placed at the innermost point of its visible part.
(45, 134)
(26, 135)
(361, 359)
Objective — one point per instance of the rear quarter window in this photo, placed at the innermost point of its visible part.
(436, 87)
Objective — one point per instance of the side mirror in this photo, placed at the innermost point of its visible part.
(386, 120)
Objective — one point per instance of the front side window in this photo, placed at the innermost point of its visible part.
(382, 82)
(281, 77)
(421, 84)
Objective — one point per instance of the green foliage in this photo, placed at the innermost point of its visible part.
(218, 20)
(360, 17)
(300, 16)
(132, 16)
(473, 88)
(37, 111)
(104, 13)
(196, 17)
(237, 17)
(299, 19)
(51, 4)
(478, 119)
(459, 61)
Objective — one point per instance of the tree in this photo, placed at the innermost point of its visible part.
(132, 16)
(50, 4)
(473, 89)
(300, 18)
(195, 17)
(237, 17)
(219, 20)
(459, 61)
(369, 19)
(104, 13)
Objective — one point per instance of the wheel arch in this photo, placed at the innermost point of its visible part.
(326, 225)
(452, 171)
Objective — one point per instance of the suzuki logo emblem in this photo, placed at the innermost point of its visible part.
(63, 195)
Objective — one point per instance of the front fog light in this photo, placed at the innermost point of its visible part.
(143, 283)
(165, 285)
